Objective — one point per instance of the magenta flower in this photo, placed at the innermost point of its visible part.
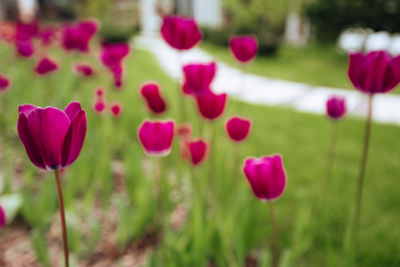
(53, 138)
(238, 128)
(198, 151)
(336, 107)
(156, 136)
(47, 35)
(244, 47)
(113, 53)
(152, 95)
(84, 69)
(375, 72)
(179, 32)
(4, 82)
(99, 105)
(266, 176)
(116, 109)
(198, 78)
(211, 105)
(100, 92)
(117, 72)
(77, 37)
(45, 66)
(24, 47)
(3, 218)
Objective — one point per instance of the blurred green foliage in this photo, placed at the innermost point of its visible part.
(330, 17)
(263, 18)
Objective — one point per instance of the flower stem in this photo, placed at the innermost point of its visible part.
(363, 164)
(275, 255)
(62, 216)
(331, 155)
(159, 193)
(181, 97)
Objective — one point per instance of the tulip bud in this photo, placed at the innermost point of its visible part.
(266, 176)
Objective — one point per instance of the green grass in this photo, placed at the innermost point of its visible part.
(236, 224)
(313, 64)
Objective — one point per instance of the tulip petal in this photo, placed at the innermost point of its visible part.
(32, 146)
(74, 139)
(55, 124)
(356, 61)
(72, 109)
(26, 109)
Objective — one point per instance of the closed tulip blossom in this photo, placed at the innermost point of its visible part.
(375, 72)
(4, 82)
(45, 66)
(116, 109)
(113, 53)
(100, 92)
(156, 137)
(371, 73)
(53, 140)
(211, 105)
(180, 33)
(24, 32)
(152, 95)
(77, 37)
(238, 128)
(198, 151)
(266, 176)
(244, 47)
(3, 218)
(84, 69)
(24, 48)
(198, 78)
(99, 105)
(336, 107)
(267, 179)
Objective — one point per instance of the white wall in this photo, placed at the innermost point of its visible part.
(208, 12)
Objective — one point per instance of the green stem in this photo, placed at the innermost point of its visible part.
(363, 164)
(181, 97)
(331, 155)
(275, 255)
(159, 192)
(62, 216)
(242, 89)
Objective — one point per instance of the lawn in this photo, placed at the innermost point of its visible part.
(319, 65)
(234, 227)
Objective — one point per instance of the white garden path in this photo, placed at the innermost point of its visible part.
(262, 90)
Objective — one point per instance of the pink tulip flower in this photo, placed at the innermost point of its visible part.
(4, 82)
(77, 37)
(244, 47)
(198, 78)
(152, 95)
(45, 66)
(84, 69)
(156, 137)
(375, 72)
(53, 138)
(336, 107)
(266, 176)
(198, 151)
(238, 128)
(116, 109)
(180, 33)
(211, 105)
